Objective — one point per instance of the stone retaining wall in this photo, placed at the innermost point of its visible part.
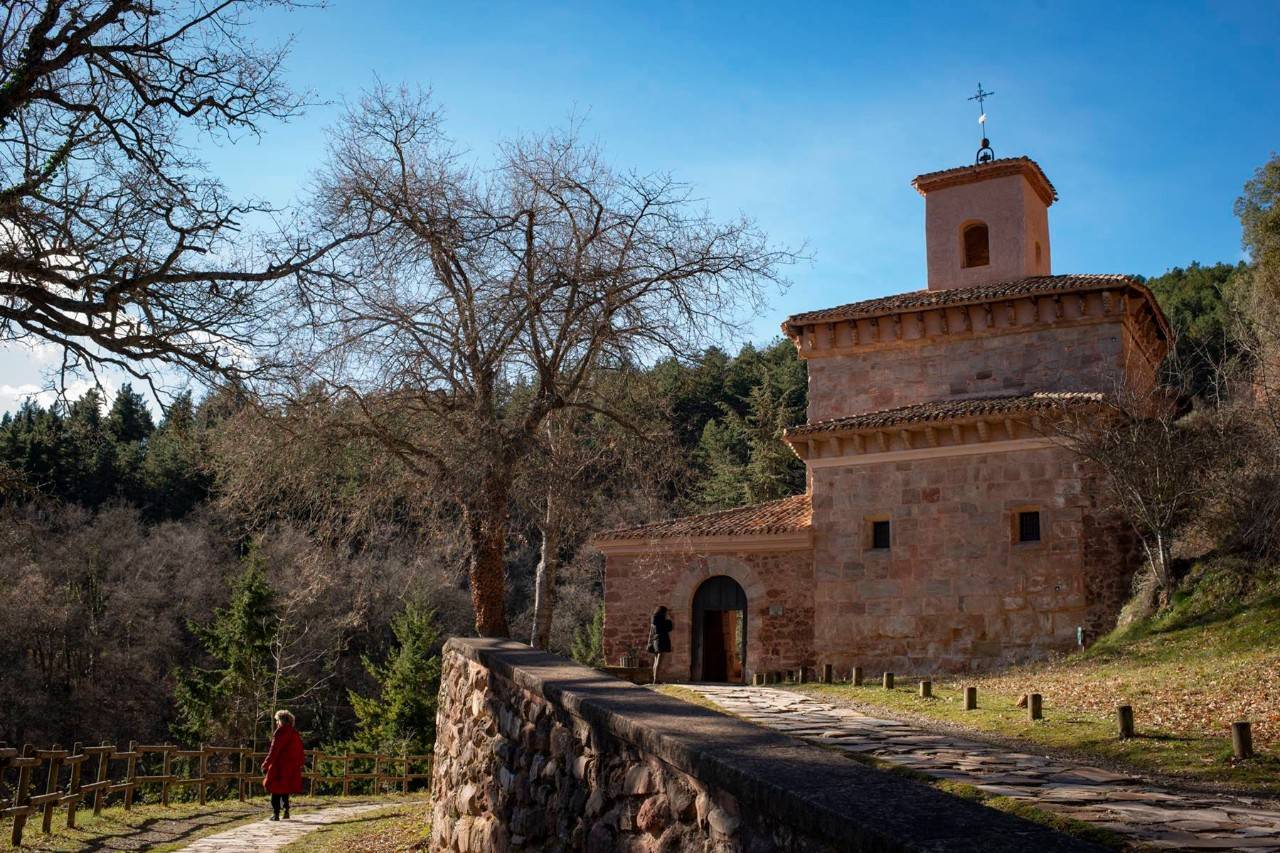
(537, 753)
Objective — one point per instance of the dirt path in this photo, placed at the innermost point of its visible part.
(1156, 817)
(272, 835)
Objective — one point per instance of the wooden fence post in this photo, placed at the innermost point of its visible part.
(404, 782)
(317, 758)
(828, 673)
(21, 794)
(1124, 721)
(1242, 739)
(73, 787)
(856, 677)
(346, 775)
(50, 786)
(1034, 707)
(204, 769)
(240, 771)
(100, 792)
(888, 681)
(970, 698)
(926, 689)
(131, 773)
(166, 770)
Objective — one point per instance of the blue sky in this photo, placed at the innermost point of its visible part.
(813, 118)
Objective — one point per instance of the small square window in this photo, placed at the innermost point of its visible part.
(1029, 526)
(880, 534)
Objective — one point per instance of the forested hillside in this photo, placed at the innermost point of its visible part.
(179, 576)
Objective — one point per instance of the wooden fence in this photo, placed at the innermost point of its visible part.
(40, 781)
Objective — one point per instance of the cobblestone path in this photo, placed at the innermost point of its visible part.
(1153, 816)
(272, 835)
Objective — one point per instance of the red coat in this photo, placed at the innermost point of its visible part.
(283, 764)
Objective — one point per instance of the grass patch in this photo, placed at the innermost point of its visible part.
(693, 697)
(401, 827)
(151, 827)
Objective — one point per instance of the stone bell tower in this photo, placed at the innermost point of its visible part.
(986, 223)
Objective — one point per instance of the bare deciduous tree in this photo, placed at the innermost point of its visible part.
(481, 301)
(583, 464)
(1156, 462)
(116, 246)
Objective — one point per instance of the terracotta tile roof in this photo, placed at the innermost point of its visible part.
(918, 300)
(789, 515)
(946, 410)
(930, 181)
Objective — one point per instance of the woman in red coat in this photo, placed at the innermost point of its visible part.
(283, 765)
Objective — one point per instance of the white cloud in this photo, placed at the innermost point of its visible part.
(13, 396)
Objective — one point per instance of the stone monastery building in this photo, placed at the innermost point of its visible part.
(943, 528)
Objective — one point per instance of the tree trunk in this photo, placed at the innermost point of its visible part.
(486, 518)
(545, 581)
(1160, 559)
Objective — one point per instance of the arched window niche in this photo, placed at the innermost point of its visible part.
(976, 243)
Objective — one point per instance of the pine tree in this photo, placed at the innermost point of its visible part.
(401, 718)
(230, 700)
(174, 476)
(588, 644)
(129, 420)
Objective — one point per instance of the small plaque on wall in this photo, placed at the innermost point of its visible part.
(775, 609)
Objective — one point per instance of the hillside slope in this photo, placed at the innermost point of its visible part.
(1212, 658)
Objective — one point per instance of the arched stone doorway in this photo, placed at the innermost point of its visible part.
(720, 631)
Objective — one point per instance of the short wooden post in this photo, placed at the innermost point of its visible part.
(204, 770)
(21, 795)
(51, 785)
(346, 775)
(926, 689)
(100, 794)
(1242, 739)
(240, 773)
(828, 673)
(856, 676)
(73, 787)
(888, 681)
(1124, 721)
(1035, 707)
(803, 675)
(377, 774)
(131, 774)
(315, 769)
(166, 767)
(404, 780)
(970, 698)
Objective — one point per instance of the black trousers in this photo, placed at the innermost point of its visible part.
(277, 801)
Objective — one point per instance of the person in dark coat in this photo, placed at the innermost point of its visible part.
(659, 638)
(283, 765)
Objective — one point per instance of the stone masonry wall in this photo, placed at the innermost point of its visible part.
(955, 591)
(780, 608)
(1089, 357)
(537, 753)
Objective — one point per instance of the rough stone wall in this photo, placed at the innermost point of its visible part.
(540, 754)
(515, 772)
(780, 606)
(955, 591)
(1088, 357)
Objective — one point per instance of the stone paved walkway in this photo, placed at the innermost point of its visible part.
(1153, 816)
(272, 835)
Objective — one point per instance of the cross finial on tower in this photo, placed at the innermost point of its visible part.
(985, 154)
